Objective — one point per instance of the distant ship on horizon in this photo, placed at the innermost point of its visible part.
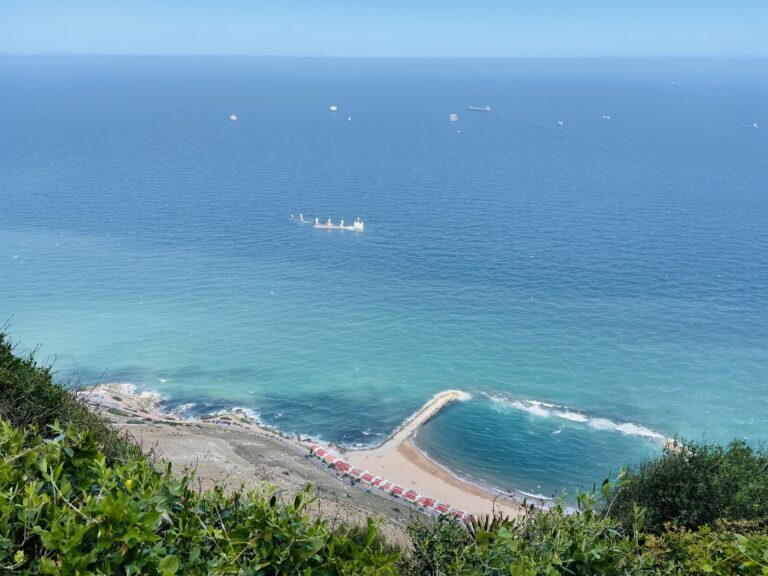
(480, 109)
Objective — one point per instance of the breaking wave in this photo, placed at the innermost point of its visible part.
(150, 397)
(547, 410)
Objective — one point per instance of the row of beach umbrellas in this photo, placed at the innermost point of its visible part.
(357, 474)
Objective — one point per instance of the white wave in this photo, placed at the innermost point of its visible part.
(545, 410)
(129, 389)
(530, 495)
(121, 387)
(182, 410)
(573, 416)
(250, 413)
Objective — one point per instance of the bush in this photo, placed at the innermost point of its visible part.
(723, 551)
(584, 542)
(552, 542)
(694, 484)
(29, 396)
(65, 510)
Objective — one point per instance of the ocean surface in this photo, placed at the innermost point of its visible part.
(595, 286)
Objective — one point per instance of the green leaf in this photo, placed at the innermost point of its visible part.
(169, 565)
(48, 566)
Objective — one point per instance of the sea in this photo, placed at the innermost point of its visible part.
(588, 260)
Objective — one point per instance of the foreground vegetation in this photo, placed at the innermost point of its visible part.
(78, 498)
(29, 397)
(695, 484)
(66, 511)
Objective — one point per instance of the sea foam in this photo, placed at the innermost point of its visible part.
(129, 389)
(547, 410)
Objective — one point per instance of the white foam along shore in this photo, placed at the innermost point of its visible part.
(396, 459)
(124, 396)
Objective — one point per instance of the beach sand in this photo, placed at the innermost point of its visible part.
(242, 454)
(400, 461)
(233, 450)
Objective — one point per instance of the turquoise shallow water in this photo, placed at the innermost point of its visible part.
(592, 285)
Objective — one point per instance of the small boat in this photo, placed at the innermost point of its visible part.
(480, 109)
(453, 117)
(333, 108)
(754, 126)
(606, 117)
(349, 118)
(560, 123)
(233, 117)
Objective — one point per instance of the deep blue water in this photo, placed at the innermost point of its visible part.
(614, 270)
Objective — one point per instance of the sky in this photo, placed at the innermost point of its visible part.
(389, 28)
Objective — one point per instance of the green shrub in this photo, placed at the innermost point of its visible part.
(694, 484)
(29, 396)
(65, 510)
(584, 542)
(723, 551)
(553, 542)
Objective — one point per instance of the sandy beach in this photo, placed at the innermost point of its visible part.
(230, 451)
(401, 462)
(234, 450)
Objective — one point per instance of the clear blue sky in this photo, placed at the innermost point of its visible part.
(387, 27)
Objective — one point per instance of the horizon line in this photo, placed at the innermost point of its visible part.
(395, 57)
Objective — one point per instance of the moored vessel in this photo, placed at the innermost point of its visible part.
(357, 225)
